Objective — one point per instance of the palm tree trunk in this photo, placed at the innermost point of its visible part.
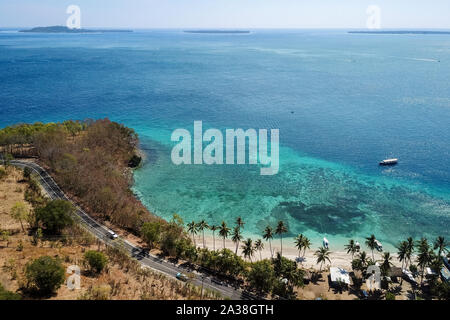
(281, 240)
(401, 279)
(224, 242)
(270, 245)
(214, 242)
(203, 231)
(260, 256)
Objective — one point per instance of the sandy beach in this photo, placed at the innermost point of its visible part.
(338, 258)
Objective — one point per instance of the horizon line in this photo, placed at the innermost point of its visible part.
(238, 28)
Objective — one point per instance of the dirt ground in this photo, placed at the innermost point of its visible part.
(11, 192)
(118, 281)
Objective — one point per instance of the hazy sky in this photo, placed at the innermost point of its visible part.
(227, 13)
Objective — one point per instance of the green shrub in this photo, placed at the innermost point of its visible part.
(97, 261)
(100, 292)
(55, 216)
(3, 173)
(185, 249)
(390, 296)
(45, 274)
(151, 232)
(262, 276)
(26, 173)
(169, 243)
(442, 291)
(8, 295)
(227, 263)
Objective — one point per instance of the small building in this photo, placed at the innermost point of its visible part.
(339, 275)
(395, 273)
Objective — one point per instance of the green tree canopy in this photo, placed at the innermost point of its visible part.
(151, 232)
(45, 274)
(55, 216)
(262, 276)
(97, 261)
(19, 212)
(8, 295)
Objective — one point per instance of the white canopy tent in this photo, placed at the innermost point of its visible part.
(339, 275)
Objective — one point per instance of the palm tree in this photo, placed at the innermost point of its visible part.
(323, 255)
(240, 223)
(281, 228)
(268, 236)
(402, 251)
(236, 237)
(351, 247)
(363, 259)
(202, 225)
(441, 245)
(224, 232)
(425, 256)
(306, 245)
(386, 264)
(410, 250)
(213, 229)
(299, 242)
(371, 244)
(259, 246)
(248, 249)
(192, 229)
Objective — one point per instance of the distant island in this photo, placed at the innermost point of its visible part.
(217, 31)
(401, 32)
(62, 29)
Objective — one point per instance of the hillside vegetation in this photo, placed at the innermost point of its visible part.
(34, 258)
(90, 160)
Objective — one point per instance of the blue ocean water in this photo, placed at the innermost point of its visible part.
(341, 101)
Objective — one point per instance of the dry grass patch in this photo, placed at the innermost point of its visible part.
(123, 278)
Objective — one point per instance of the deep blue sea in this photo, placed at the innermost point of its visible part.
(342, 103)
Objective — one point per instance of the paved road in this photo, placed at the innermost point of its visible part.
(101, 232)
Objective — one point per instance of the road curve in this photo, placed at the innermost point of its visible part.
(101, 232)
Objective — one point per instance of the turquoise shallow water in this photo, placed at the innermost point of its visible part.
(315, 197)
(342, 103)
